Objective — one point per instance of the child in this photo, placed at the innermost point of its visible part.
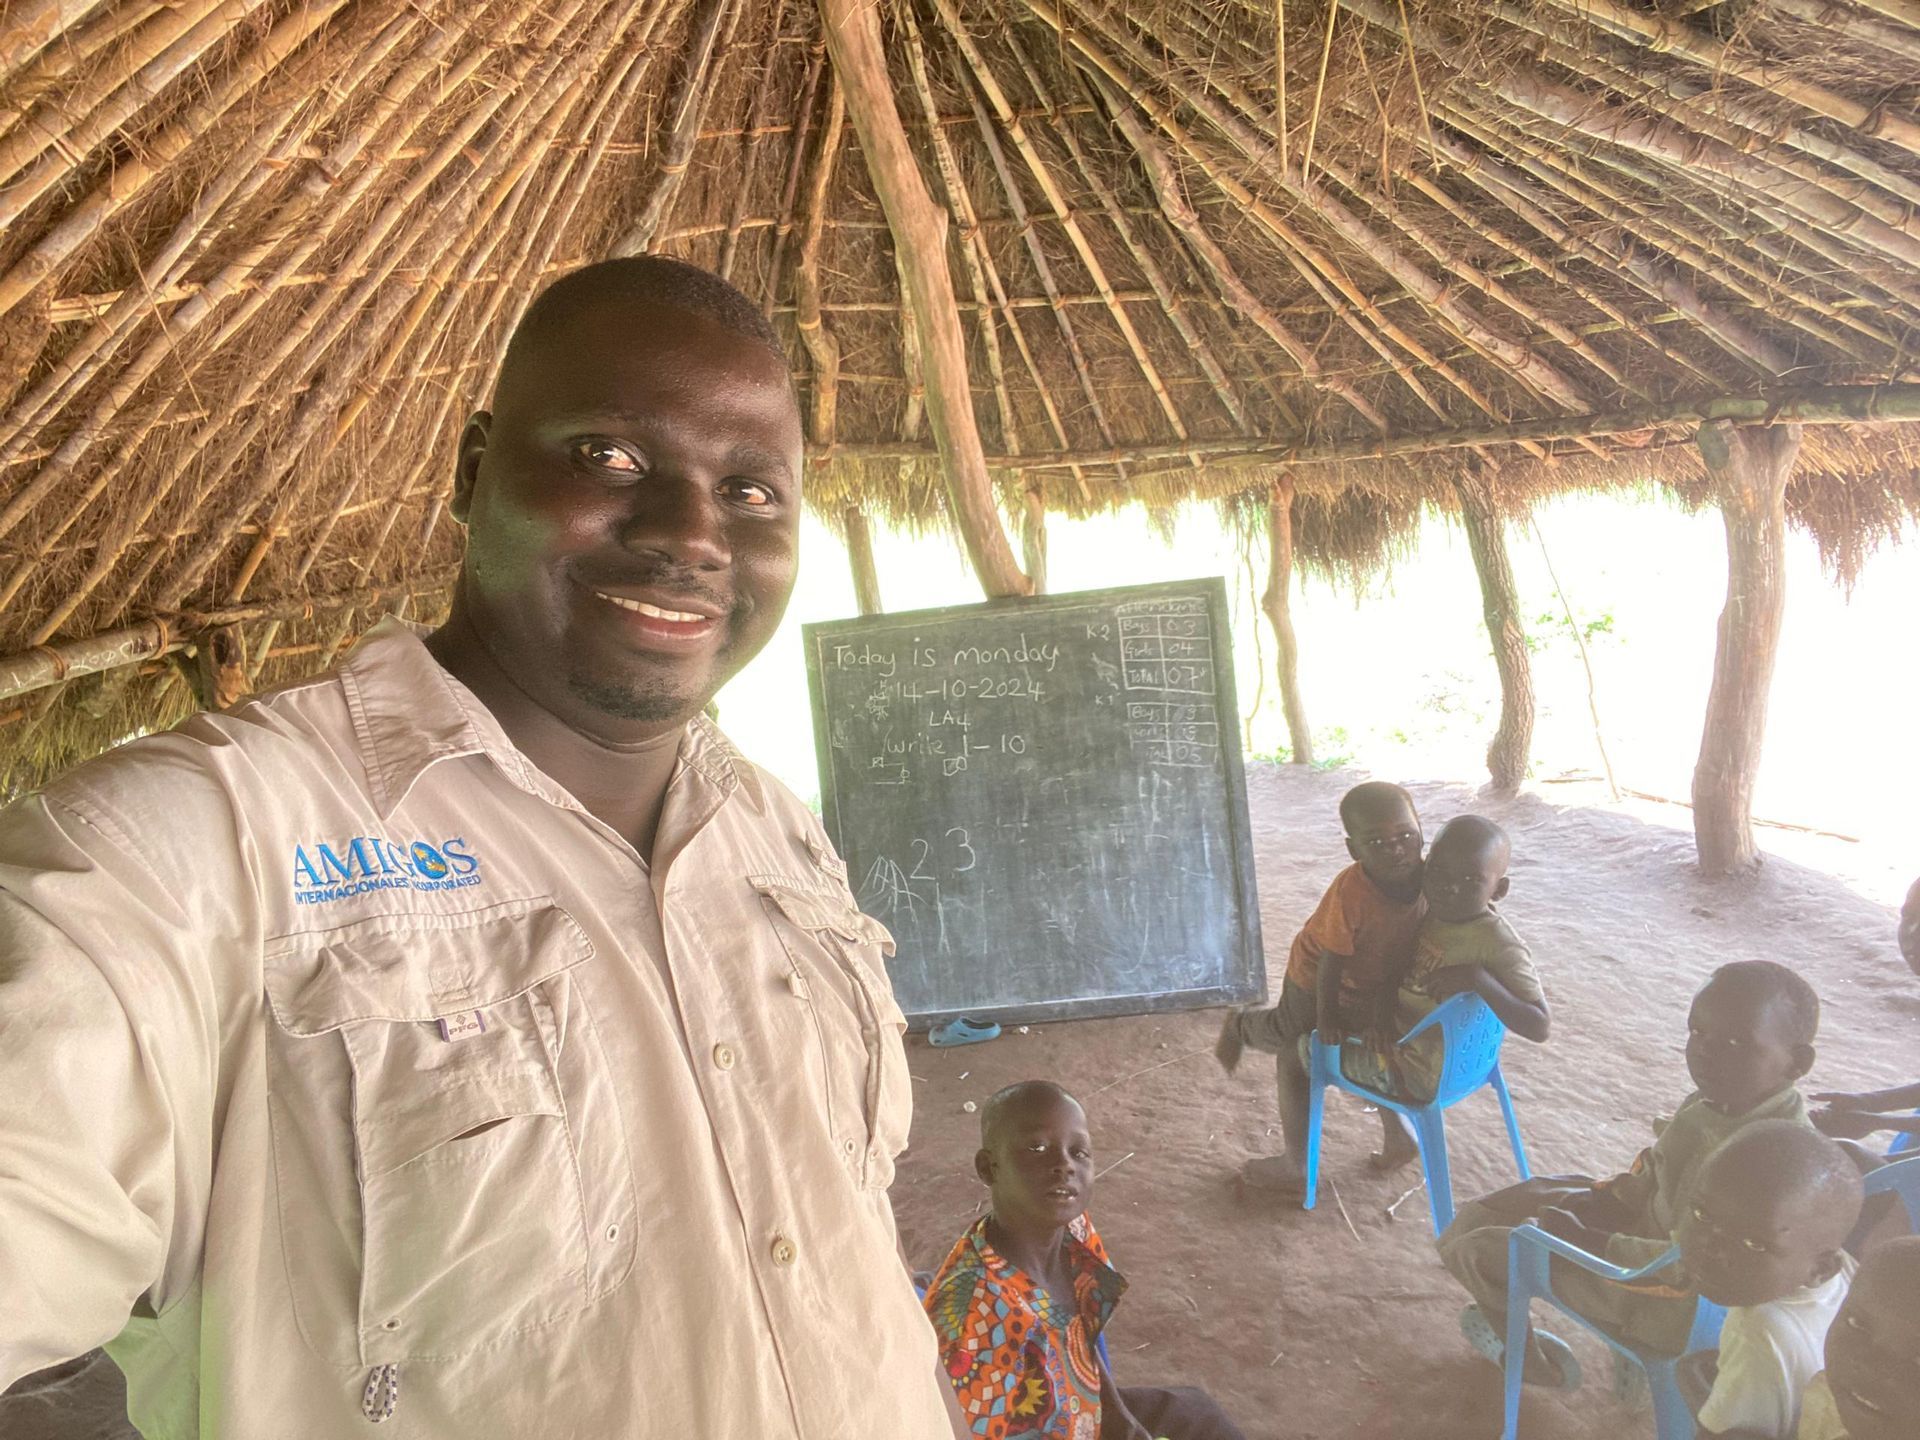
(1765, 1237)
(1341, 974)
(1021, 1300)
(1750, 1037)
(1464, 944)
(1856, 1116)
(1871, 1387)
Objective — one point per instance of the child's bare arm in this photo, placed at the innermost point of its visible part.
(1523, 1017)
(1327, 998)
(1900, 1097)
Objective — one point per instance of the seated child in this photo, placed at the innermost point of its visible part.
(1764, 1237)
(1870, 1389)
(1749, 1038)
(1856, 1116)
(1464, 944)
(1341, 973)
(1020, 1302)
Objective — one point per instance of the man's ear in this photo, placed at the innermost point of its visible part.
(466, 467)
(1803, 1057)
(983, 1166)
(1500, 890)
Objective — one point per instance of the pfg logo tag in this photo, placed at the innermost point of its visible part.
(325, 870)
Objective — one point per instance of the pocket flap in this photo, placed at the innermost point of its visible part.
(819, 910)
(419, 967)
(418, 1118)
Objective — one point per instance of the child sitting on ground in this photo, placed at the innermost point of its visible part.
(1464, 944)
(1021, 1301)
(1749, 1038)
(1870, 1389)
(1341, 974)
(1856, 1116)
(1764, 1237)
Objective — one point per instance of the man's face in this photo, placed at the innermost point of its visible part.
(1738, 1049)
(1386, 840)
(1743, 1244)
(633, 508)
(1873, 1352)
(1040, 1163)
(1910, 928)
(1463, 876)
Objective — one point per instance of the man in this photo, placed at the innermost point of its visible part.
(469, 1038)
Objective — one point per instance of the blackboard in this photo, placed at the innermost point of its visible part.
(1043, 799)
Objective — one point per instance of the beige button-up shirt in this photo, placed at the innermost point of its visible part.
(383, 1085)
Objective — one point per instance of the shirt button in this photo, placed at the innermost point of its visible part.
(723, 1056)
(784, 1251)
(797, 985)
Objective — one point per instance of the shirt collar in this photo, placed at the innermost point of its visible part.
(409, 713)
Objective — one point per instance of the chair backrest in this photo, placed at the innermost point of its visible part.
(1903, 1142)
(1472, 1035)
(1900, 1177)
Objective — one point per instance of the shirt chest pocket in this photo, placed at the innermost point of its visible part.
(451, 1165)
(836, 955)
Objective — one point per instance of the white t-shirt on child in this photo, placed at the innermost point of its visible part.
(1768, 1353)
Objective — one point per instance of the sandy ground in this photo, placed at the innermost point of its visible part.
(1340, 1324)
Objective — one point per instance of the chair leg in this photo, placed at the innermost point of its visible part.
(1672, 1420)
(1513, 1123)
(1519, 1321)
(1430, 1130)
(1316, 1112)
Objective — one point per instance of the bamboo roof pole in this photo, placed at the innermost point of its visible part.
(77, 45)
(1524, 197)
(536, 248)
(1674, 237)
(919, 229)
(1586, 115)
(34, 24)
(242, 270)
(689, 109)
(1907, 12)
(543, 89)
(372, 237)
(1841, 21)
(749, 142)
(1186, 221)
(83, 221)
(1043, 177)
(262, 159)
(1749, 470)
(1676, 37)
(783, 227)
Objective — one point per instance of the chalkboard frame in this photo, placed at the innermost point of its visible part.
(1247, 980)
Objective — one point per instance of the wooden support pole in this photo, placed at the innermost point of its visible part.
(920, 245)
(218, 673)
(1278, 603)
(866, 576)
(1500, 603)
(1033, 538)
(1749, 470)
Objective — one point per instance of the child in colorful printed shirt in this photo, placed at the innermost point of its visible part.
(1870, 1389)
(1022, 1299)
(1765, 1237)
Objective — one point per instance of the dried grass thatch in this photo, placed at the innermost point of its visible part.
(258, 258)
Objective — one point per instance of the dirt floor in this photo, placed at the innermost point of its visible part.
(1340, 1324)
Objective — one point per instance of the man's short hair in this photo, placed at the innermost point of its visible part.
(1784, 991)
(1370, 797)
(652, 279)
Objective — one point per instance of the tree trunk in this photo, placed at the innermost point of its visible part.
(919, 230)
(1500, 604)
(1749, 469)
(866, 579)
(1033, 539)
(1278, 603)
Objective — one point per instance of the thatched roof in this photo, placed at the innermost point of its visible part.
(259, 258)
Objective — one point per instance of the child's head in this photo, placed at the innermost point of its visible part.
(1750, 1033)
(1383, 834)
(1873, 1347)
(1466, 869)
(1910, 928)
(1036, 1155)
(1770, 1214)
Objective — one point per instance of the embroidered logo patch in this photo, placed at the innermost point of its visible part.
(328, 870)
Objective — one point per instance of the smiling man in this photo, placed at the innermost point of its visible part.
(469, 1039)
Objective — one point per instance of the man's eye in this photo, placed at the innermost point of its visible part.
(749, 493)
(605, 455)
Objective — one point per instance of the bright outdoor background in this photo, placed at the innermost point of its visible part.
(1399, 679)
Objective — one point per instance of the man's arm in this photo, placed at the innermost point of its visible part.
(1326, 996)
(955, 1416)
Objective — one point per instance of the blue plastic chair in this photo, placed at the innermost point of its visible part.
(1471, 1035)
(1530, 1252)
(1902, 1178)
(1903, 1142)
